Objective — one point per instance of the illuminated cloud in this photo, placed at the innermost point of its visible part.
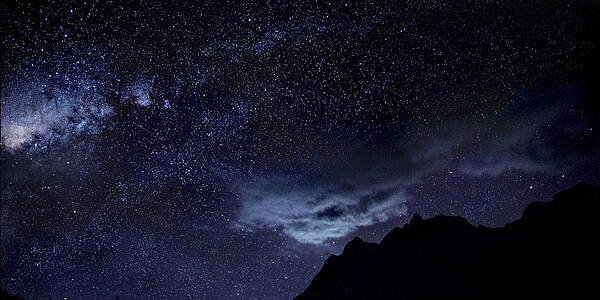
(314, 215)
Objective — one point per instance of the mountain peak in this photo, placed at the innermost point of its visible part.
(356, 242)
(416, 219)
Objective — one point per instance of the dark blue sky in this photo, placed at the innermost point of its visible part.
(224, 150)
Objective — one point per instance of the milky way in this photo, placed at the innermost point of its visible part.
(224, 150)
(39, 111)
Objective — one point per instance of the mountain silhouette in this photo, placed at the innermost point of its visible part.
(550, 252)
(4, 295)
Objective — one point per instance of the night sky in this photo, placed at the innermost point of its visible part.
(223, 150)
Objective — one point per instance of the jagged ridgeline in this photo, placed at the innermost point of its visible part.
(550, 252)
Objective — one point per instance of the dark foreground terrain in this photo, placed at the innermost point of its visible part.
(550, 252)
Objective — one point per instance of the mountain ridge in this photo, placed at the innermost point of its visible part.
(543, 253)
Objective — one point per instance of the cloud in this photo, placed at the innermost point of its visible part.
(371, 185)
(40, 111)
(315, 213)
(521, 146)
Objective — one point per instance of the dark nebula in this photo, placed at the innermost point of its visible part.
(218, 150)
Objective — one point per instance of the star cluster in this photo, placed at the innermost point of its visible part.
(222, 150)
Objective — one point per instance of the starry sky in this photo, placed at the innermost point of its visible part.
(222, 150)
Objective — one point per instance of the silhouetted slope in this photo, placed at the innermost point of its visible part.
(550, 251)
(7, 296)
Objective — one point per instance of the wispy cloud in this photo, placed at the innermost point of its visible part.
(372, 186)
(312, 214)
(520, 146)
